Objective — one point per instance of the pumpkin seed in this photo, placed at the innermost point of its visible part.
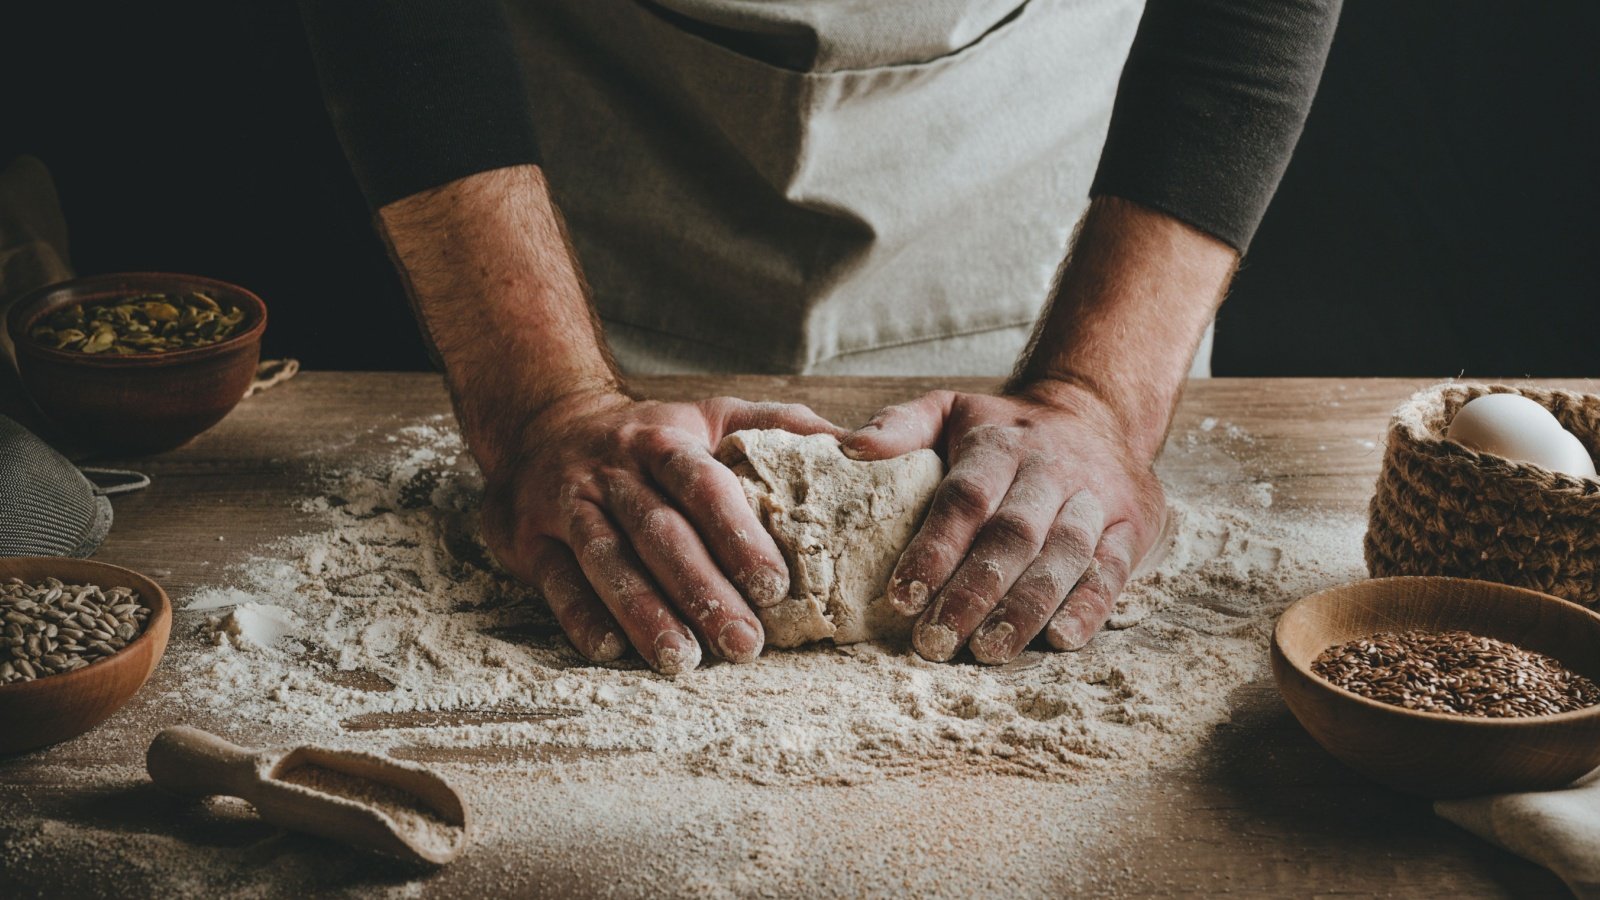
(145, 323)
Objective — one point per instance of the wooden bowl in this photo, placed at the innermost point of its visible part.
(56, 707)
(1434, 754)
(142, 403)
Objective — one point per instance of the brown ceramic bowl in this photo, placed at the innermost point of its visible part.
(51, 709)
(142, 403)
(1434, 754)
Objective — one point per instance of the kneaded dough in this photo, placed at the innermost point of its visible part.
(840, 523)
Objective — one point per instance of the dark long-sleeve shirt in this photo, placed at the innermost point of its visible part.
(1210, 105)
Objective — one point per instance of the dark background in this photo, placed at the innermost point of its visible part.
(1439, 218)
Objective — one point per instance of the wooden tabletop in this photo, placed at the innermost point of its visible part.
(1261, 810)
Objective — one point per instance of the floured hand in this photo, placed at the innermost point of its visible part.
(1044, 512)
(617, 511)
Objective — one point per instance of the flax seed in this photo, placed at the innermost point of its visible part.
(1456, 673)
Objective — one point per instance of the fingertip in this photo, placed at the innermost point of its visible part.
(767, 587)
(676, 653)
(608, 649)
(992, 644)
(1070, 631)
(934, 643)
(865, 443)
(739, 642)
(908, 596)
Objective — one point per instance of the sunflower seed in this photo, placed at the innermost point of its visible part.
(51, 627)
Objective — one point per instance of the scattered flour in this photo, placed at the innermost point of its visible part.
(249, 624)
(390, 628)
(386, 628)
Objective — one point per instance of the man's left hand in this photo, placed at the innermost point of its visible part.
(1045, 510)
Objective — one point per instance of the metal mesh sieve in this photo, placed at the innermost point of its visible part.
(47, 506)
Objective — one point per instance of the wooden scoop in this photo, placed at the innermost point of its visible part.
(361, 799)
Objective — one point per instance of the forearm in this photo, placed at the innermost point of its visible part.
(1128, 310)
(498, 293)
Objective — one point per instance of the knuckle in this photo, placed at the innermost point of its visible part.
(608, 479)
(1029, 603)
(1013, 529)
(682, 465)
(1072, 540)
(576, 490)
(959, 601)
(656, 442)
(1114, 569)
(594, 550)
(974, 438)
(658, 522)
(1091, 602)
(1037, 461)
(995, 437)
(1048, 584)
(964, 497)
(1084, 506)
(719, 407)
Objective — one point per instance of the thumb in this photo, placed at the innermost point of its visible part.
(897, 430)
(792, 417)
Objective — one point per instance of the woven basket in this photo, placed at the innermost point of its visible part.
(1442, 509)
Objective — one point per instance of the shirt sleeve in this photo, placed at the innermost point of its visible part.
(1211, 102)
(421, 92)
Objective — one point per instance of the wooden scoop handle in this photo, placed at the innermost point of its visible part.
(186, 760)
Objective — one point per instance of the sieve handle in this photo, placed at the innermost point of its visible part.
(186, 760)
(114, 481)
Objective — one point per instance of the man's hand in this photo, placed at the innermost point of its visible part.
(1050, 499)
(616, 510)
(613, 507)
(1044, 512)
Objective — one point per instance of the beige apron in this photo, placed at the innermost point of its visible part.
(809, 186)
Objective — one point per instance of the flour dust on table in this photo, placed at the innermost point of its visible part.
(387, 626)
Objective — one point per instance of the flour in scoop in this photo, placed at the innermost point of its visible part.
(400, 633)
(418, 825)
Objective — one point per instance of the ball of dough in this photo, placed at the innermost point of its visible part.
(840, 524)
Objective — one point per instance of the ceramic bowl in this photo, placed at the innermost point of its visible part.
(142, 403)
(1435, 754)
(54, 708)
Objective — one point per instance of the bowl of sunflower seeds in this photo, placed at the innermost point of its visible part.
(77, 640)
(138, 362)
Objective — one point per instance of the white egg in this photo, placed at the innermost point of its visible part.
(1512, 426)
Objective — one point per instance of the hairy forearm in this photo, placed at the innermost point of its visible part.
(1128, 310)
(499, 295)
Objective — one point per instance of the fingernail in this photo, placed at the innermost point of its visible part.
(1071, 634)
(738, 642)
(767, 587)
(992, 643)
(609, 648)
(935, 642)
(908, 597)
(676, 654)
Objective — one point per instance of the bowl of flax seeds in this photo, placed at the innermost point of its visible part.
(1445, 687)
(77, 640)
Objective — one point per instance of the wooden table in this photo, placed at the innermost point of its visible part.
(1261, 811)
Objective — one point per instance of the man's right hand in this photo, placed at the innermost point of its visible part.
(616, 509)
(613, 507)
